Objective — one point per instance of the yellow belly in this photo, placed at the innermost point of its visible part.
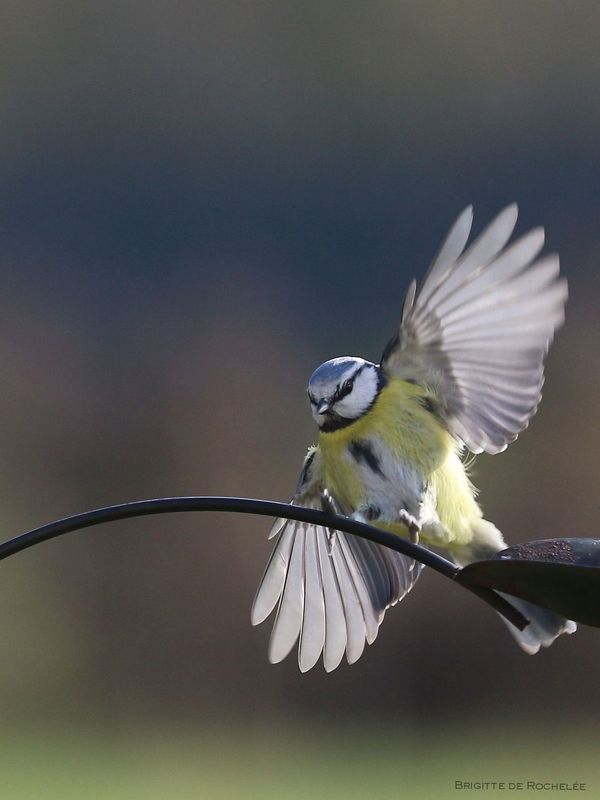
(417, 438)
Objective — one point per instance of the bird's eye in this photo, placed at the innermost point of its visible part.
(347, 387)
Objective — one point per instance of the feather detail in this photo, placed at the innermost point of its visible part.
(312, 636)
(331, 592)
(478, 330)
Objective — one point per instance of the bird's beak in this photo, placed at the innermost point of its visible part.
(323, 407)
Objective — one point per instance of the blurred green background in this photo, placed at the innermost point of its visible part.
(201, 202)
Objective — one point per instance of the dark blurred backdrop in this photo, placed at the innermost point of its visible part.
(200, 202)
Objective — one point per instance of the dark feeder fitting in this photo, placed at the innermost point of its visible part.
(562, 575)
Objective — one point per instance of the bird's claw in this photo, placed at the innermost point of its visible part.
(412, 523)
(329, 505)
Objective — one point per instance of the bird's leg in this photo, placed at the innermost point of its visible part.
(329, 505)
(412, 523)
(370, 513)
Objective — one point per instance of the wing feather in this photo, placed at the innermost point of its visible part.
(288, 620)
(312, 636)
(273, 580)
(335, 622)
(355, 622)
(331, 589)
(477, 331)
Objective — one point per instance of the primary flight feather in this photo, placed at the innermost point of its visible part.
(465, 370)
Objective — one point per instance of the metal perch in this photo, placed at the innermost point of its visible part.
(560, 574)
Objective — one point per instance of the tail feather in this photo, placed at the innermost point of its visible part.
(544, 626)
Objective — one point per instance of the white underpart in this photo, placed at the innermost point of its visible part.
(399, 487)
(397, 484)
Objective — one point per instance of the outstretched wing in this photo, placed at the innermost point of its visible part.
(331, 591)
(478, 330)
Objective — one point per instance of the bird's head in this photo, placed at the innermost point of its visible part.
(342, 390)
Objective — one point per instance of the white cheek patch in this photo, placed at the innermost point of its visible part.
(361, 397)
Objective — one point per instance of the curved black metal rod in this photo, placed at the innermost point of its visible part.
(268, 508)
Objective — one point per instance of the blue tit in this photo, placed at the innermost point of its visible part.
(463, 373)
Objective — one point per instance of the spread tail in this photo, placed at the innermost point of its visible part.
(544, 625)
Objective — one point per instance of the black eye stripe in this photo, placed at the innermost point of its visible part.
(345, 388)
(342, 390)
(348, 385)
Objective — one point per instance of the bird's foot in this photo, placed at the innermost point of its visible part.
(412, 523)
(329, 505)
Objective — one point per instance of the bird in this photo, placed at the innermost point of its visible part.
(462, 375)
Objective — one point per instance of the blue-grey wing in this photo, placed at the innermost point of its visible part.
(477, 331)
(331, 591)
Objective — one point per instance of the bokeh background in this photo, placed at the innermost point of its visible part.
(200, 202)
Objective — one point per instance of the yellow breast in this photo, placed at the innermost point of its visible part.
(401, 419)
(397, 418)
